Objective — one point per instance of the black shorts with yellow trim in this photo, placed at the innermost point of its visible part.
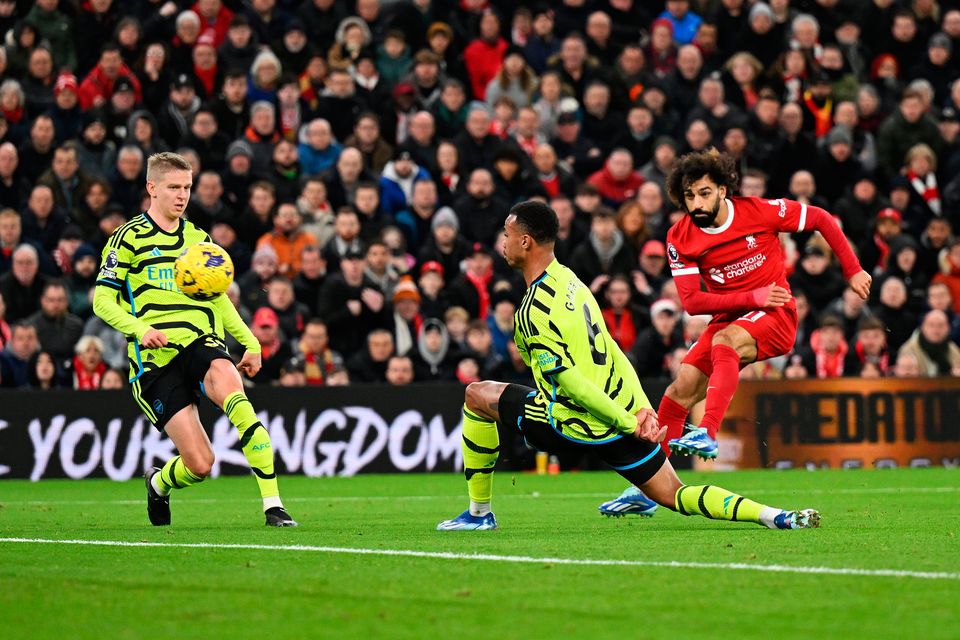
(634, 459)
(162, 392)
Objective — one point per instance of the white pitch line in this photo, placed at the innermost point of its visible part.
(446, 555)
(536, 494)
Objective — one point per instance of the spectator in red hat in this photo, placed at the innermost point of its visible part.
(472, 289)
(484, 56)
(274, 350)
(66, 114)
(874, 252)
(205, 66)
(649, 279)
(97, 88)
(433, 298)
(661, 52)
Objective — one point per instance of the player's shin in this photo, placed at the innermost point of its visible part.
(717, 503)
(256, 446)
(722, 386)
(481, 447)
(174, 475)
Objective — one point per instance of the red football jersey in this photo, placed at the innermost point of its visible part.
(744, 254)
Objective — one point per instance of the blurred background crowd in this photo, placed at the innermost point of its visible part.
(357, 160)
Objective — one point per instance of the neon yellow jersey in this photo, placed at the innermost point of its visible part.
(559, 327)
(138, 263)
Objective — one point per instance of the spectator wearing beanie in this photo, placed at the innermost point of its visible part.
(445, 245)
(407, 319)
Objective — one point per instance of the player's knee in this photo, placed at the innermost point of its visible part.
(683, 392)
(473, 397)
(723, 338)
(201, 464)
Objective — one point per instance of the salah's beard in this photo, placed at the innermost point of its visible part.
(707, 221)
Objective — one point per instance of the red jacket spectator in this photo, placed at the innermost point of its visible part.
(217, 26)
(484, 56)
(617, 182)
(97, 88)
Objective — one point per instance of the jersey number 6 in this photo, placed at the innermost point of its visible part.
(594, 335)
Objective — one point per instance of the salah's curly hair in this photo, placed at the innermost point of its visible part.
(721, 168)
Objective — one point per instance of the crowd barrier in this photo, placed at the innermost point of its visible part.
(848, 423)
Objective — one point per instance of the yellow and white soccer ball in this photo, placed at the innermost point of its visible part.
(203, 271)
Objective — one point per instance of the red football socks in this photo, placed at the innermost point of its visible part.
(672, 416)
(721, 387)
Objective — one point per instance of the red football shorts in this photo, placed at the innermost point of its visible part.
(775, 331)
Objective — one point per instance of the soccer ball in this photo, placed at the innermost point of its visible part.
(203, 271)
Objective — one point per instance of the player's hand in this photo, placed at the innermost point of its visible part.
(249, 364)
(648, 426)
(771, 296)
(860, 283)
(154, 339)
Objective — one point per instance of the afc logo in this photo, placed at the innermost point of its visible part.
(751, 242)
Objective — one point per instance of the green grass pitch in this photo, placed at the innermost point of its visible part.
(903, 520)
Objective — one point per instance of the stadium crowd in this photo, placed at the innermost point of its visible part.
(357, 161)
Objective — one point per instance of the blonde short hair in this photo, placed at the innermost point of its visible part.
(925, 151)
(160, 163)
(86, 342)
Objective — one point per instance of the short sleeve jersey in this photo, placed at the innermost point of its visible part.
(559, 326)
(744, 253)
(138, 263)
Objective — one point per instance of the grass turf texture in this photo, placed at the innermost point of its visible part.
(894, 519)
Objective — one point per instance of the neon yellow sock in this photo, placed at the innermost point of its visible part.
(481, 447)
(717, 503)
(175, 475)
(254, 440)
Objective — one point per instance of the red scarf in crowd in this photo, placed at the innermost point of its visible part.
(551, 182)
(480, 284)
(4, 333)
(884, 249)
(829, 365)
(207, 77)
(621, 327)
(318, 367)
(927, 188)
(13, 117)
(268, 350)
(87, 380)
(822, 115)
(882, 361)
(251, 135)
(450, 180)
